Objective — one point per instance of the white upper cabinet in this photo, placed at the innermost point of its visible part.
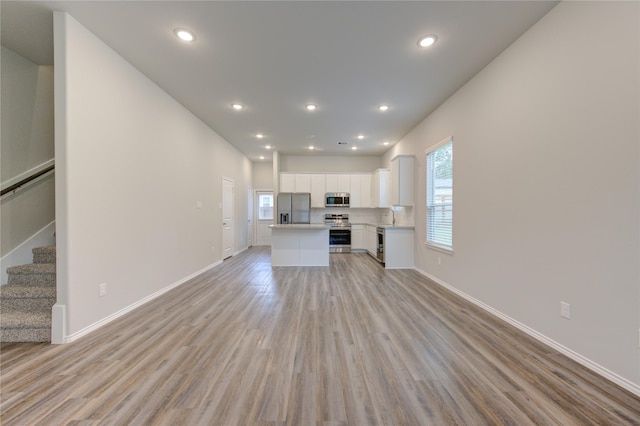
(318, 189)
(361, 190)
(303, 182)
(380, 181)
(402, 180)
(338, 182)
(287, 182)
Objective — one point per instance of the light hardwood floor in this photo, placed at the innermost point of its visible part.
(353, 344)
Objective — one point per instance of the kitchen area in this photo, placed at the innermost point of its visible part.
(323, 214)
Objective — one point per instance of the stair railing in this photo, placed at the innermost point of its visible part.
(31, 178)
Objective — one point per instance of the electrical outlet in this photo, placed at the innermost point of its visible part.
(565, 310)
(102, 289)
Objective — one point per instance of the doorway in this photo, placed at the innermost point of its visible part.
(227, 218)
(250, 230)
(264, 201)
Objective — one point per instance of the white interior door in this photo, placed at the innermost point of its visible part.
(250, 217)
(227, 218)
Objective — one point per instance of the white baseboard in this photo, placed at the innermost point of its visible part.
(241, 250)
(78, 334)
(22, 254)
(593, 366)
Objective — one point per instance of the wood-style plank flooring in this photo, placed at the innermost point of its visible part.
(350, 344)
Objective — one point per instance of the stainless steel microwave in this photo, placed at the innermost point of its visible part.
(336, 199)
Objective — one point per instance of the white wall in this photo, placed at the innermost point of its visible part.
(329, 163)
(546, 188)
(262, 175)
(132, 165)
(26, 113)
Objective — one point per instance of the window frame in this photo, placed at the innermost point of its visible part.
(429, 203)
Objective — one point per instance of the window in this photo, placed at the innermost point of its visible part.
(265, 205)
(439, 161)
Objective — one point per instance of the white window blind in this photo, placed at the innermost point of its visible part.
(439, 180)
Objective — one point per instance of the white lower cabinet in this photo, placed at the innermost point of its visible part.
(371, 240)
(398, 248)
(357, 237)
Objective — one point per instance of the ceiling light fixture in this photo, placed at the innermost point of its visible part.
(311, 107)
(427, 40)
(262, 157)
(385, 143)
(259, 135)
(267, 147)
(184, 35)
(311, 147)
(383, 108)
(354, 148)
(360, 137)
(237, 107)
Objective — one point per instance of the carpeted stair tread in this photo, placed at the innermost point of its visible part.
(11, 291)
(12, 319)
(33, 274)
(33, 269)
(46, 254)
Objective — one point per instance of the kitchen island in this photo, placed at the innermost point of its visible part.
(300, 245)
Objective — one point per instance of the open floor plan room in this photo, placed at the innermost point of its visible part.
(352, 343)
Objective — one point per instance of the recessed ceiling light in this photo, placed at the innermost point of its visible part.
(237, 107)
(427, 40)
(184, 35)
(267, 147)
(262, 157)
(354, 148)
(360, 136)
(311, 147)
(385, 143)
(311, 107)
(259, 135)
(383, 108)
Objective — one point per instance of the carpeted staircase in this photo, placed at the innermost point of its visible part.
(27, 298)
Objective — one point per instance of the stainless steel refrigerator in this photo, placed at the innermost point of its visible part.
(294, 207)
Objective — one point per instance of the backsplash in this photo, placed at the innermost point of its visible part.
(404, 215)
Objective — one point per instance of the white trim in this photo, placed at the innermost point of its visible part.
(438, 144)
(58, 323)
(593, 366)
(96, 325)
(241, 250)
(23, 175)
(22, 254)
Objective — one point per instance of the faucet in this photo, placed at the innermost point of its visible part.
(393, 215)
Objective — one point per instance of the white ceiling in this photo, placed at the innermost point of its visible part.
(274, 57)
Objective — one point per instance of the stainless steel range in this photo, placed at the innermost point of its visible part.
(339, 233)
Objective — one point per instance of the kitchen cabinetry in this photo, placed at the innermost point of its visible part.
(402, 180)
(361, 190)
(287, 182)
(380, 188)
(338, 182)
(398, 248)
(318, 189)
(357, 237)
(303, 182)
(371, 240)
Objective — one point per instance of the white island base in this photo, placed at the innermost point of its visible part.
(300, 245)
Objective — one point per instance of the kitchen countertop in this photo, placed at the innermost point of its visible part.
(384, 225)
(300, 226)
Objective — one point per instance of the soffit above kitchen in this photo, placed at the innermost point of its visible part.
(274, 58)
